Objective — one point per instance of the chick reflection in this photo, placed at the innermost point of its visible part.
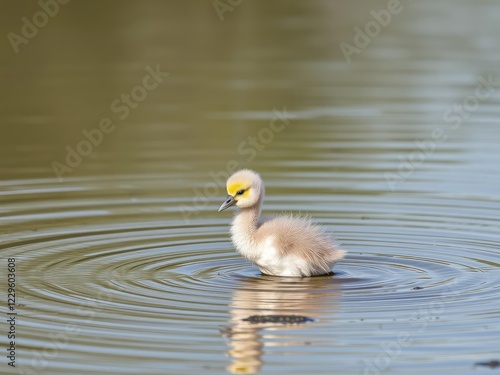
(264, 307)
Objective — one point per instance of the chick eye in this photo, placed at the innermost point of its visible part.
(240, 192)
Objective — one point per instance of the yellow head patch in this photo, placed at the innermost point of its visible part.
(233, 188)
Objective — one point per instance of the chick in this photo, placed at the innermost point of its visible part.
(282, 246)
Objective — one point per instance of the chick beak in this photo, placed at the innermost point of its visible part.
(228, 203)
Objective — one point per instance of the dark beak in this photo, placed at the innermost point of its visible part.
(228, 203)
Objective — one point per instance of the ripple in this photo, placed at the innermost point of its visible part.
(127, 274)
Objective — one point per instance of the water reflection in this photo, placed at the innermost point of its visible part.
(268, 295)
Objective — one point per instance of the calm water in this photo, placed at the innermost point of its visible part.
(124, 266)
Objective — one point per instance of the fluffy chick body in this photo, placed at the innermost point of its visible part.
(281, 246)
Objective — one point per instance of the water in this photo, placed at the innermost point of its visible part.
(123, 264)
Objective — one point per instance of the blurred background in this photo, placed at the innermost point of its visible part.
(229, 67)
(120, 121)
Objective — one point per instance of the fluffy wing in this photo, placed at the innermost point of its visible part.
(300, 237)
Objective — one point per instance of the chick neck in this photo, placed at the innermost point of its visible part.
(244, 229)
(247, 219)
